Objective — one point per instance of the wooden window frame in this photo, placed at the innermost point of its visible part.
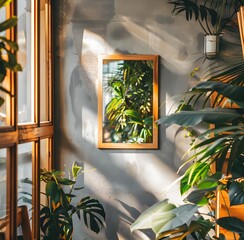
(11, 136)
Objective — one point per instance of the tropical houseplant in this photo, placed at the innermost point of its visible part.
(56, 215)
(59, 202)
(212, 15)
(199, 183)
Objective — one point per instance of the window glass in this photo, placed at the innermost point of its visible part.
(25, 176)
(3, 186)
(2, 17)
(4, 98)
(5, 104)
(3, 192)
(44, 96)
(25, 55)
(44, 162)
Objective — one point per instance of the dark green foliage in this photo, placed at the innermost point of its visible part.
(56, 217)
(212, 15)
(223, 140)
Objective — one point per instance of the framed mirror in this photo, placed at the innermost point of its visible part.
(128, 102)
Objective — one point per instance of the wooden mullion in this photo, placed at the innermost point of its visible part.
(50, 59)
(36, 190)
(8, 139)
(36, 9)
(28, 134)
(12, 191)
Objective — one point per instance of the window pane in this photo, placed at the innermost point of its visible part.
(25, 177)
(4, 113)
(44, 162)
(44, 153)
(25, 55)
(3, 192)
(44, 97)
(2, 14)
(5, 107)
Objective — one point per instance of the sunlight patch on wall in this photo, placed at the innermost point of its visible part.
(167, 48)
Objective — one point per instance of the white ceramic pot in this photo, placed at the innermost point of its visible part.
(211, 45)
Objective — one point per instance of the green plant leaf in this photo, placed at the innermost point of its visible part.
(230, 91)
(208, 115)
(199, 197)
(165, 221)
(11, 22)
(76, 169)
(195, 173)
(53, 191)
(65, 181)
(144, 221)
(13, 45)
(210, 181)
(231, 224)
(4, 3)
(236, 193)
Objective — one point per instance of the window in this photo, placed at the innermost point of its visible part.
(26, 121)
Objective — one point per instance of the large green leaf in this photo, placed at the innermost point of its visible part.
(144, 221)
(165, 221)
(231, 224)
(56, 224)
(53, 191)
(195, 173)
(200, 197)
(232, 92)
(208, 115)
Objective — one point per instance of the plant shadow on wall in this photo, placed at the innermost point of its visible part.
(221, 146)
(60, 204)
(129, 112)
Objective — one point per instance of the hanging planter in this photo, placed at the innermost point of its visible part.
(240, 17)
(211, 45)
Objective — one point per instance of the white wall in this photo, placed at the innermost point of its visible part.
(125, 181)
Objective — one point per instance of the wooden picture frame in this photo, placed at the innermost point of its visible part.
(128, 102)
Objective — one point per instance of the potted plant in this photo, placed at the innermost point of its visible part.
(59, 203)
(212, 15)
(200, 182)
(56, 215)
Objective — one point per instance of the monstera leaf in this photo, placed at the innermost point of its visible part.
(56, 224)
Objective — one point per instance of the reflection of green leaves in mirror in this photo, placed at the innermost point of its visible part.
(129, 112)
